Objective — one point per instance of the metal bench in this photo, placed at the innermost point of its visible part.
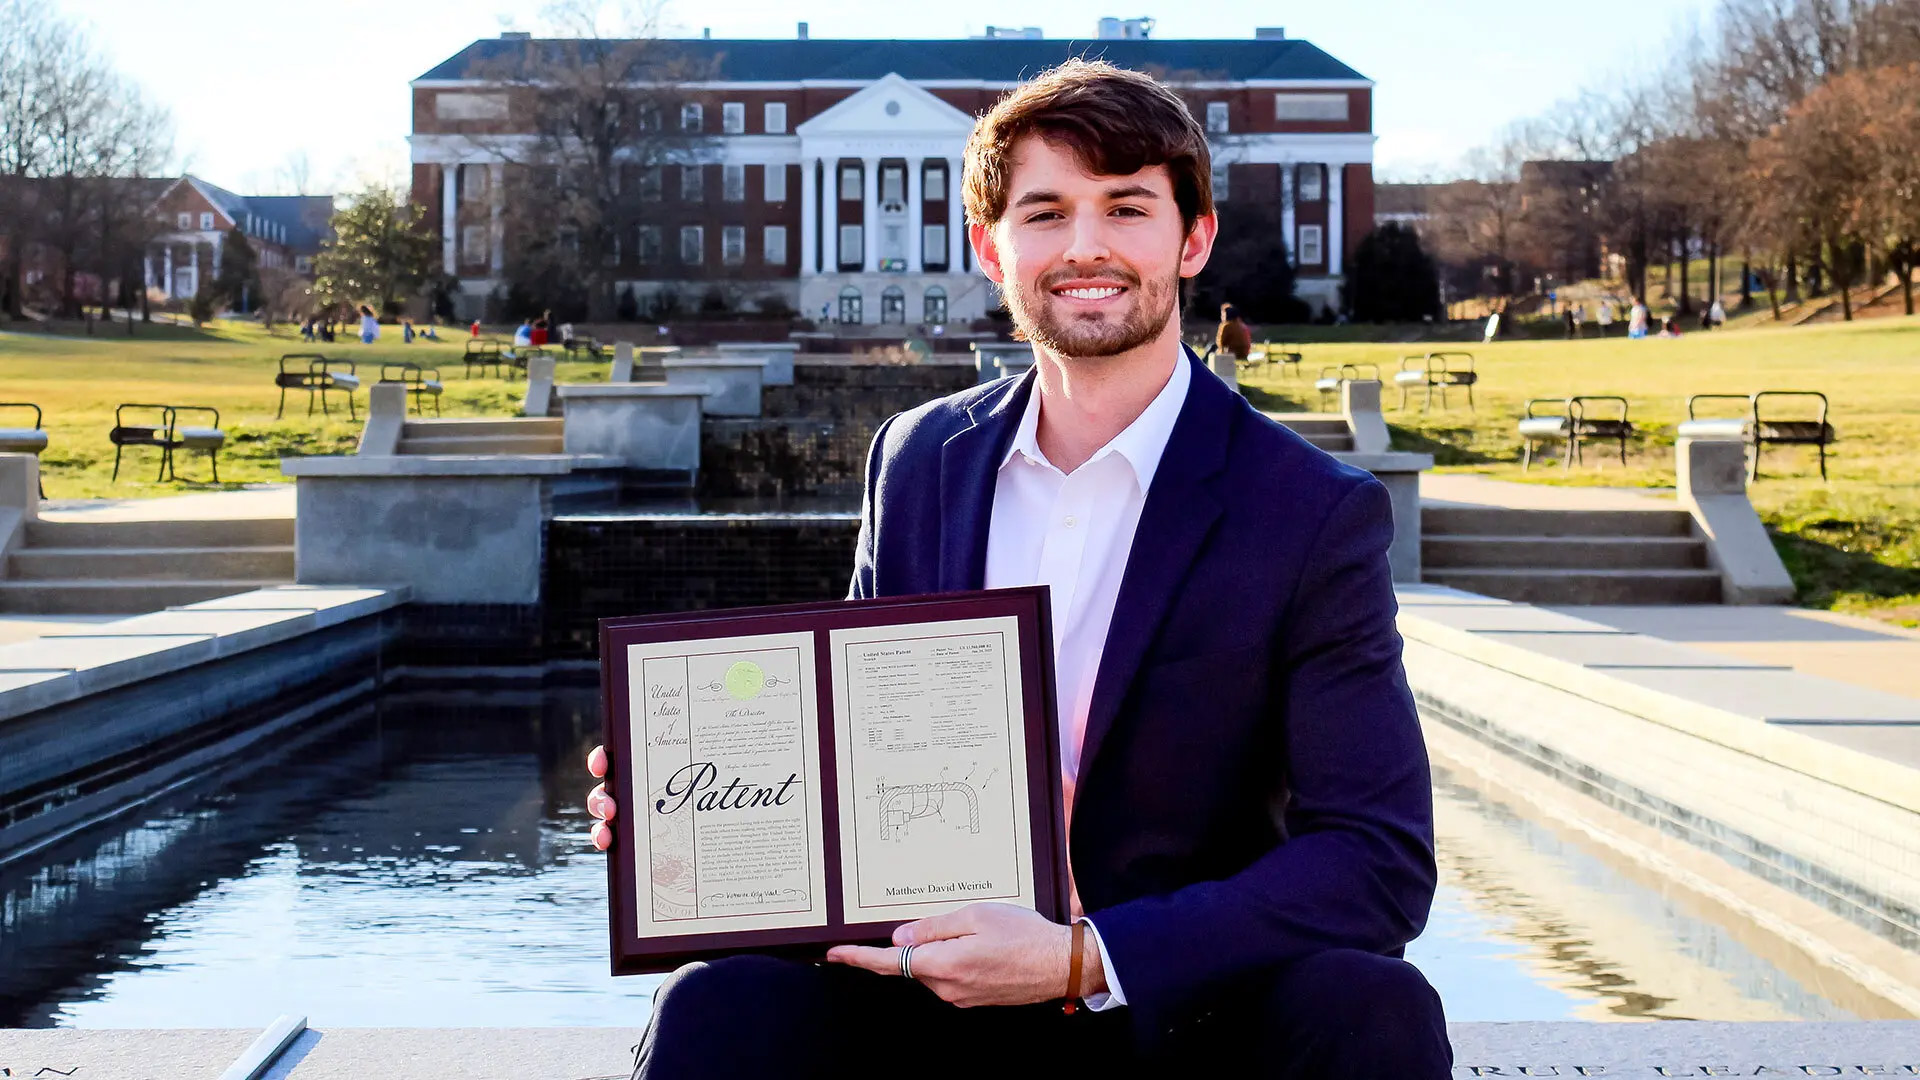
(318, 376)
(24, 440)
(1440, 371)
(1332, 378)
(1267, 355)
(1757, 429)
(590, 346)
(482, 353)
(168, 435)
(514, 357)
(1572, 425)
(421, 383)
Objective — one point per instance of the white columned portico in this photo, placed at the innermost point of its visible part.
(956, 219)
(916, 251)
(1336, 246)
(830, 255)
(166, 283)
(146, 268)
(449, 217)
(194, 289)
(496, 228)
(1287, 227)
(870, 214)
(809, 217)
(217, 238)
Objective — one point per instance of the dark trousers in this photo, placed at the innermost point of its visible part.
(1335, 1015)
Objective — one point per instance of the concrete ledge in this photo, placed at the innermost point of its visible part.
(732, 384)
(1712, 481)
(1567, 1049)
(367, 468)
(587, 391)
(82, 661)
(778, 355)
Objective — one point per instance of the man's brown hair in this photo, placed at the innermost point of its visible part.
(1114, 121)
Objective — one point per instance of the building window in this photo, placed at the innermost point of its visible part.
(1216, 118)
(935, 305)
(733, 117)
(473, 244)
(691, 116)
(850, 305)
(185, 220)
(612, 257)
(773, 245)
(1311, 107)
(470, 106)
(936, 183)
(733, 183)
(1220, 181)
(693, 245)
(893, 184)
(933, 245)
(1310, 246)
(692, 183)
(649, 248)
(302, 264)
(1313, 185)
(850, 253)
(849, 183)
(473, 182)
(733, 245)
(893, 305)
(650, 185)
(776, 184)
(776, 117)
(206, 219)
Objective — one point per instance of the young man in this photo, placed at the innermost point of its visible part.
(1250, 809)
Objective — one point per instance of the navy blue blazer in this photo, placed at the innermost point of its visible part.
(1254, 786)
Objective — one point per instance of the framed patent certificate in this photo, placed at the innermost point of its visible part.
(795, 777)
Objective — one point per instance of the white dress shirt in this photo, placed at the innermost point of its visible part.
(1073, 532)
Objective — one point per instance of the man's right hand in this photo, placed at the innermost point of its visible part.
(599, 803)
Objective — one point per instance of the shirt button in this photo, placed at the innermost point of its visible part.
(1070, 521)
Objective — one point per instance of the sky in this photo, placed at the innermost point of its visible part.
(261, 94)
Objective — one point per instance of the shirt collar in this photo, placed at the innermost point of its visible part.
(1141, 443)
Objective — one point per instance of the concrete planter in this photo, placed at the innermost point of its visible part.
(777, 354)
(733, 385)
(642, 425)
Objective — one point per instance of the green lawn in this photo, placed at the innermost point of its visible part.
(78, 380)
(1852, 542)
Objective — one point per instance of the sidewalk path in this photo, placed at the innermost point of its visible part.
(253, 501)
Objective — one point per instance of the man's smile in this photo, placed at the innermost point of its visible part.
(1088, 294)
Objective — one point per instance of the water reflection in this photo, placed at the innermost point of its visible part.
(423, 861)
(1594, 943)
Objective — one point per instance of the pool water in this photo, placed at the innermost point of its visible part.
(422, 861)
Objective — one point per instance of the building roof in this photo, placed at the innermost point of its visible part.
(303, 217)
(997, 60)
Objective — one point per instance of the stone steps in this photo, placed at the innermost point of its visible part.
(114, 597)
(126, 567)
(1568, 556)
(508, 425)
(481, 444)
(1531, 586)
(1563, 553)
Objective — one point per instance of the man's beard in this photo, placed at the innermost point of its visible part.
(1039, 317)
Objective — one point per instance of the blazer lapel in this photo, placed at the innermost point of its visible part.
(969, 463)
(1174, 522)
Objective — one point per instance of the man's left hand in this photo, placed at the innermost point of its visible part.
(984, 954)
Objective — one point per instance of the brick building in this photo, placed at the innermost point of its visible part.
(284, 231)
(832, 176)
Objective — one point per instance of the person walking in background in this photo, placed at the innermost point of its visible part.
(1233, 335)
(523, 336)
(406, 331)
(474, 330)
(1572, 324)
(1717, 313)
(1637, 319)
(540, 326)
(306, 329)
(1493, 328)
(369, 325)
(1606, 316)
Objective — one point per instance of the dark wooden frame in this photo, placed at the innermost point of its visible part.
(1760, 431)
(164, 436)
(316, 378)
(1579, 427)
(482, 353)
(1345, 373)
(414, 377)
(1440, 372)
(1046, 804)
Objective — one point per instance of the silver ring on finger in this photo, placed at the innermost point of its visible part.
(906, 961)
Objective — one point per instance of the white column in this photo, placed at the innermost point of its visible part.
(217, 239)
(146, 268)
(1287, 225)
(916, 251)
(1336, 227)
(956, 218)
(166, 285)
(870, 216)
(194, 289)
(496, 229)
(809, 216)
(449, 217)
(831, 263)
